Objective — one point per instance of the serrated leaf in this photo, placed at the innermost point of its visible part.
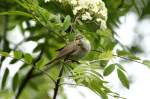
(40, 63)
(66, 23)
(146, 62)
(109, 69)
(28, 58)
(18, 54)
(4, 54)
(122, 77)
(107, 55)
(15, 82)
(5, 76)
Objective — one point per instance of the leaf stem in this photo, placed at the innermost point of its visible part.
(125, 58)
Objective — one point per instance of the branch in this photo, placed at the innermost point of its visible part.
(51, 63)
(42, 71)
(27, 78)
(71, 84)
(122, 57)
(58, 82)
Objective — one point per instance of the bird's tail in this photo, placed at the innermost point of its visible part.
(53, 61)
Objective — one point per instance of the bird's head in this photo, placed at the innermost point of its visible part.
(83, 42)
(79, 37)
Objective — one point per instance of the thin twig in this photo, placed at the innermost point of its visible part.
(70, 84)
(125, 58)
(21, 60)
(58, 82)
(129, 59)
(51, 65)
(117, 96)
(51, 78)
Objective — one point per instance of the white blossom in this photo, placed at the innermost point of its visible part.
(86, 16)
(89, 9)
(103, 25)
(73, 2)
(46, 1)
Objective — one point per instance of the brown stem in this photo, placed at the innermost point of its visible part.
(58, 82)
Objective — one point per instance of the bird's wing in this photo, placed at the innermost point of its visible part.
(60, 48)
(67, 50)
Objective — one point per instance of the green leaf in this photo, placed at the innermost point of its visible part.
(105, 33)
(15, 82)
(22, 4)
(33, 85)
(18, 54)
(122, 77)
(127, 54)
(4, 54)
(67, 22)
(107, 55)
(5, 76)
(28, 58)
(13, 61)
(146, 62)
(109, 69)
(120, 67)
(16, 13)
(40, 63)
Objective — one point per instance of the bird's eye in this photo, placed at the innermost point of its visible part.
(79, 44)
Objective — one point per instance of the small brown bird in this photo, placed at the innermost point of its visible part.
(75, 50)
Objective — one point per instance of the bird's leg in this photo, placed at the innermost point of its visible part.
(73, 61)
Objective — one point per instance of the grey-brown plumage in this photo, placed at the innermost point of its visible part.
(75, 50)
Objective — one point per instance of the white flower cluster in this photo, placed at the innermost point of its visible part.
(89, 10)
(46, 1)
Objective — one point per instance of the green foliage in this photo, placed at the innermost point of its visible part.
(109, 69)
(28, 58)
(67, 23)
(4, 54)
(40, 63)
(127, 54)
(122, 77)
(120, 67)
(56, 25)
(146, 62)
(84, 75)
(15, 82)
(146, 10)
(107, 55)
(4, 79)
(17, 54)
(16, 13)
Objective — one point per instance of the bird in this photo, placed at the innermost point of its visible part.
(74, 50)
